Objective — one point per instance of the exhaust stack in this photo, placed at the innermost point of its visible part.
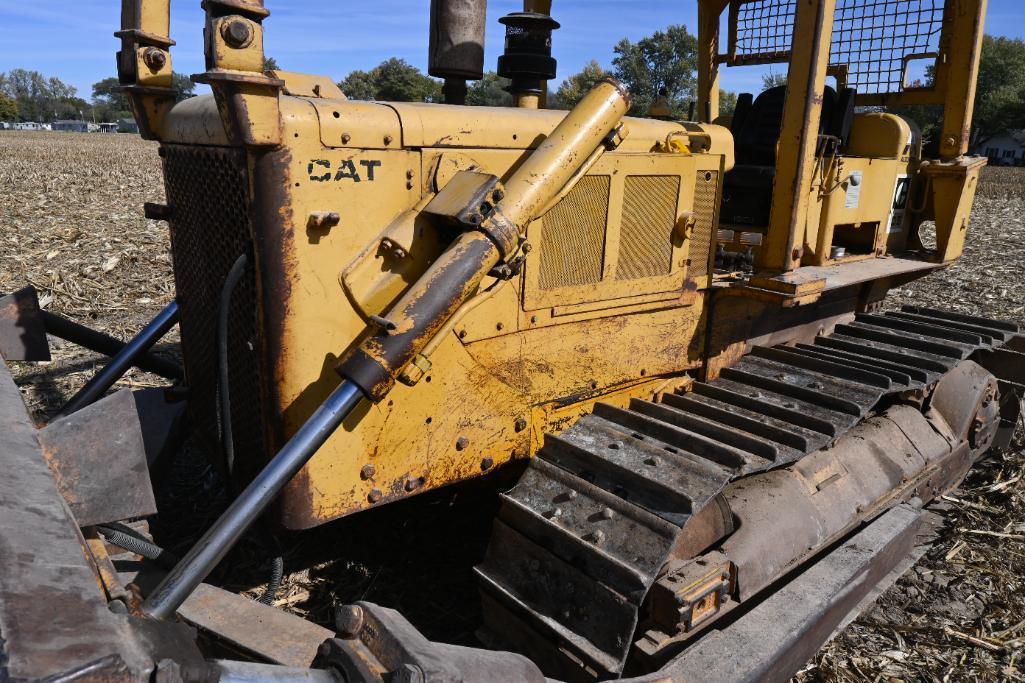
(456, 51)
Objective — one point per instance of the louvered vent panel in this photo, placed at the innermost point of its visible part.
(646, 236)
(705, 191)
(573, 236)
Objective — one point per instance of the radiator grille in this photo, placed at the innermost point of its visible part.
(207, 189)
(573, 236)
(646, 235)
(705, 190)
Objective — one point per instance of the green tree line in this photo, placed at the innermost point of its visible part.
(664, 61)
(31, 96)
(667, 60)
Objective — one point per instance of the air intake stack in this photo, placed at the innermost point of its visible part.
(528, 60)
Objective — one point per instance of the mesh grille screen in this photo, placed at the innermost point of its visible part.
(873, 39)
(207, 188)
(704, 219)
(646, 236)
(573, 236)
(764, 28)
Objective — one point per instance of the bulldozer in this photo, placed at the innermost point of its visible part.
(670, 335)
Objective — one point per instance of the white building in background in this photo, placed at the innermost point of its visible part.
(28, 125)
(1007, 149)
(71, 126)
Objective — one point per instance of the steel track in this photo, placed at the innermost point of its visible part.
(584, 534)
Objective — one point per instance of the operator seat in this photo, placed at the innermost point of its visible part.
(756, 126)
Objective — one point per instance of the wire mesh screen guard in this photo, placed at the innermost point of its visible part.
(876, 42)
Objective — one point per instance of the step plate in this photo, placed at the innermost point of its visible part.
(585, 532)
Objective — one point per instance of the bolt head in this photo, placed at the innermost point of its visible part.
(388, 139)
(462, 443)
(349, 621)
(412, 484)
(498, 195)
(367, 471)
(346, 138)
(520, 424)
(607, 513)
(237, 33)
(375, 495)
(487, 463)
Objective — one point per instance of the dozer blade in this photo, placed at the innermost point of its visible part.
(612, 501)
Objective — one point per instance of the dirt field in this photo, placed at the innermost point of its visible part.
(71, 224)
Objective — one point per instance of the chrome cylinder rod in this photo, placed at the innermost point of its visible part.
(125, 359)
(164, 601)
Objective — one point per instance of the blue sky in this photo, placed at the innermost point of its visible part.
(74, 41)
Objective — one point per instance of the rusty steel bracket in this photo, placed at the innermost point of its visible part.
(54, 613)
(22, 327)
(379, 644)
(100, 460)
(247, 99)
(144, 65)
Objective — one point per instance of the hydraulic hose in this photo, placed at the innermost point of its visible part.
(223, 315)
(125, 537)
(235, 274)
(277, 572)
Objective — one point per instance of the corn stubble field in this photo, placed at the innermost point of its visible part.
(71, 224)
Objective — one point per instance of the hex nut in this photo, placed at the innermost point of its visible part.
(375, 495)
(408, 673)
(520, 424)
(487, 463)
(367, 472)
(462, 443)
(154, 58)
